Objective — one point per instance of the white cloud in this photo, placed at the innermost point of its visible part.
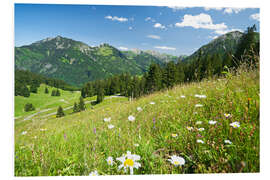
(130, 28)
(202, 20)
(213, 8)
(149, 19)
(233, 10)
(123, 48)
(176, 8)
(165, 48)
(153, 36)
(115, 18)
(255, 16)
(158, 25)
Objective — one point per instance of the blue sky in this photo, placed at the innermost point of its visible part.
(172, 30)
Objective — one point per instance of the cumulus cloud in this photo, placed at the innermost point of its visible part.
(232, 10)
(165, 48)
(123, 48)
(158, 25)
(255, 16)
(130, 28)
(153, 36)
(202, 20)
(115, 18)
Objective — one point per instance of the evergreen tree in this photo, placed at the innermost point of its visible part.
(60, 112)
(46, 90)
(75, 108)
(170, 77)
(33, 88)
(100, 95)
(154, 78)
(81, 105)
(53, 92)
(29, 107)
(57, 93)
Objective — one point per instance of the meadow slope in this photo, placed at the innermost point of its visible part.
(170, 123)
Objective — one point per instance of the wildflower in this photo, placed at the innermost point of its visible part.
(154, 122)
(174, 135)
(107, 119)
(199, 122)
(212, 122)
(200, 96)
(110, 126)
(183, 96)
(43, 129)
(136, 145)
(131, 118)
(189, 128)
(227, 141)
(227, 115)
(200, 141)
(24, 132)
(235, 124)
(152, 102)
(94, 173)
(129, 161)
(177, 160)
(139, 109)
(201, 129)
(94, 130)
(195, 112)
(198, 105)
(65, 136)
(110, 160)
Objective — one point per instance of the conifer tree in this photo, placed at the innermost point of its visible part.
(60, 112)
(33, 88)
(75, 108)
(53, 93)
(57, 93)
(100, 95)
(81, 105)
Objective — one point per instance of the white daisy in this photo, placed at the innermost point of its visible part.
(94, 173)
(152, 102)
(24, 132)
(174, 135)
(139, 109)
(131, 118)
(200, 96)
(177, 160)
(227, 141)
(110, 126)
(198, 105)
(129, 161)
(43, 129)
(227, 115)
(200, 141)
(201, 129)
(110, 160)
(182, 96)
(136, 145)
(212, 122)
(235, 124)
(199, 122)
(107, 119)
(189, 128)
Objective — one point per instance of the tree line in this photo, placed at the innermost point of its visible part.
(165, 77)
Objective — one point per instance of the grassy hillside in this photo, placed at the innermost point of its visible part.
(80, 143)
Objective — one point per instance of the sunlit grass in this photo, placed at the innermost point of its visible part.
(80, 143)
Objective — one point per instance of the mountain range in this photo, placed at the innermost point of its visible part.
(77, 63)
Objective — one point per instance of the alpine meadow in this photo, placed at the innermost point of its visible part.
(135, 90)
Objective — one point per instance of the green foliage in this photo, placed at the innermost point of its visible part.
(81, 105)
(60, 112)
(46, 91)
(29, 107)
(76, 108)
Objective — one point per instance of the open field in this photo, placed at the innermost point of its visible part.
(172, 124)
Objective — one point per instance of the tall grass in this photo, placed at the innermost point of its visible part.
(80, 143)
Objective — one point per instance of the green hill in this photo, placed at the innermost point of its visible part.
(80, 143)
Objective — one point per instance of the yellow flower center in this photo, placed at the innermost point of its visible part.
(110, 162)
(129, 162)
(176, 162)
(174, 135)
(234, 125)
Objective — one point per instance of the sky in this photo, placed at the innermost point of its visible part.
(172, 30)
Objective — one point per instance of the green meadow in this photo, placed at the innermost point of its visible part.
(170, 122)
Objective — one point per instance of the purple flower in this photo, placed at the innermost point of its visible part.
(65, 136)
(154, 121)
(95, 130)
(198, 135)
